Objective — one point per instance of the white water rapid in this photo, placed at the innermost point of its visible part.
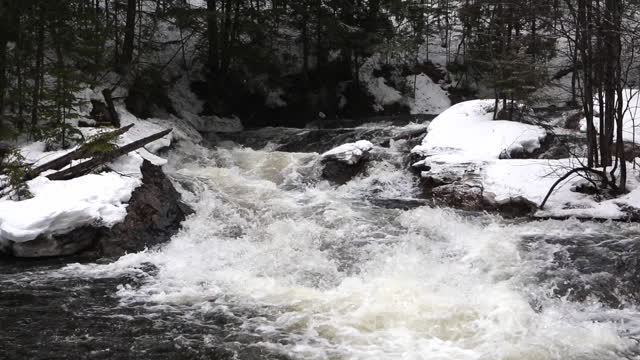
(315, 271)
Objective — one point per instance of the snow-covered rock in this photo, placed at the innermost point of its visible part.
(153, 214)
(341, 164)
(61, 206)
(96, 200)
(349, 153)
(468, 129)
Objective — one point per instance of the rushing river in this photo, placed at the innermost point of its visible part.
(276, 264)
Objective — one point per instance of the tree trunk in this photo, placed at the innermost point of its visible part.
(3, 66)
(129, 35)
(38, 74)
(212, 37)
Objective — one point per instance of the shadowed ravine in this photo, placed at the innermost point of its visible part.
(278, 264)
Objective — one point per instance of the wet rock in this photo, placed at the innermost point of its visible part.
(460, 196)
(562, 146)
(340, 172)
(303, 140)
(513, 207)
(60, 245)
(460, 186)
(439, 174)
(402, 204)
(572, 119)
(154, 214)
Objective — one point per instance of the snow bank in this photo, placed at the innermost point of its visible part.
(349, 153)
(631, 118)
(429, 98)
(60, 206)
(533, 178)
(468, 128)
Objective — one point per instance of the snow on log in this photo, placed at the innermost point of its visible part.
(93, 163)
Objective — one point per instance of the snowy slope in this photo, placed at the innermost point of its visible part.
(429, 97)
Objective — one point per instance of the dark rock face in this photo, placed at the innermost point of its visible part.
(513, 207)
(63, 245)
(460, 196)
(340, 172)
(154, 214)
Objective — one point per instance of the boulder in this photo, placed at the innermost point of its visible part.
(341, 164)
(154, 214)
(339, 172)
(460, 196)
(517, 206)
(439, 174)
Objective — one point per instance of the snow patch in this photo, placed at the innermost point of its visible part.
(377, 86)
(429, 97)
(61, 206)
(469, 128)
(533, 178)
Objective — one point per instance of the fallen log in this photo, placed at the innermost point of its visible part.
(79, 153)
(99, 160)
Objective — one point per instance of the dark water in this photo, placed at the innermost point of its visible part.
(44, 315)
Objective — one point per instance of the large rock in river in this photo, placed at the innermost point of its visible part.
(341, 164)
(154, 214)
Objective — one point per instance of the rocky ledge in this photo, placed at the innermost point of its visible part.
(154, 214)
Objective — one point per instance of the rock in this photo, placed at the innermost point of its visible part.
(460, 186)
(61, 245)
(344, 162)
(572, 119)
(562, 146)
(439, 174)
(460, 196)
(340, 172)
(403, 204)
(100, 113)
(513, 207)
(154, 215)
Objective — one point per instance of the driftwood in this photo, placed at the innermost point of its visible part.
(79, 153)
(97, 161)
